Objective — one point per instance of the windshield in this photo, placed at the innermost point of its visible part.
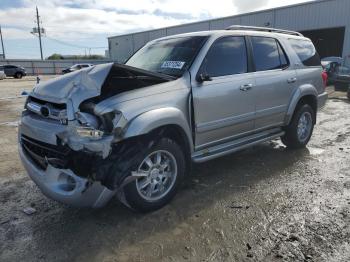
(168, 56)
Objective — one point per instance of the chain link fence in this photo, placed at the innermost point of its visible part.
(47, 67)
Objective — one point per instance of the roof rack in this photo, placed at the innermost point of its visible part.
(264, 29)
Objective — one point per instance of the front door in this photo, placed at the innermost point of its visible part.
(224, 102)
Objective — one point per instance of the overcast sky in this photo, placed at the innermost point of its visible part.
(72, 25)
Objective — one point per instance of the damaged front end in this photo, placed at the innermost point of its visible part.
(69, 143)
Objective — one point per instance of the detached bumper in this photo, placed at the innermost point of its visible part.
(64, 186)
(321, 100)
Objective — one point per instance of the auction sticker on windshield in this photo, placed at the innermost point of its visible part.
(173, 64)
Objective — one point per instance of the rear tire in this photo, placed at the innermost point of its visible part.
(299, 131)
(18, 75)
(163, 167)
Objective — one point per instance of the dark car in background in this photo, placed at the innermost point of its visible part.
(13, 70)
(342, 79)
(75, 68)
(337, 75)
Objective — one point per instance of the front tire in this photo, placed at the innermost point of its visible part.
(299, 131)
(160, 172)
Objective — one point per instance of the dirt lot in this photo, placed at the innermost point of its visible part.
(263, 204)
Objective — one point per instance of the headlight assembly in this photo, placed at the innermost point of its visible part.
(89, 132)
(89, 125)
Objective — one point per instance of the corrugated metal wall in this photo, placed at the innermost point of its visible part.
(316, 15)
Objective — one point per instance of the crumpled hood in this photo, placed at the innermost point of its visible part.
(75, 87)
(103, 80)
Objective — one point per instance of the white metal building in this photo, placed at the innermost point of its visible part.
(326, 22)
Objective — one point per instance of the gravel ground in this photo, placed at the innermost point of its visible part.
(266, 203)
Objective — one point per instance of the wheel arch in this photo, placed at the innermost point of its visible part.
(170, 121)
(306, 94)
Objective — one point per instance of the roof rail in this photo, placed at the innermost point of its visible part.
(264, 29)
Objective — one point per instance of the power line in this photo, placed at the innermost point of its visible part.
(74, 45)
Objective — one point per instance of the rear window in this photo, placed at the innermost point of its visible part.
(306, 52)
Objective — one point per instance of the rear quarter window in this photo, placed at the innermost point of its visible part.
(306, 52)
(268, 54)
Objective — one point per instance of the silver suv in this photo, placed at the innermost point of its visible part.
(133, 130)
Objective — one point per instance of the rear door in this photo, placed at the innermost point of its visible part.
(224, 106)
(275, 81)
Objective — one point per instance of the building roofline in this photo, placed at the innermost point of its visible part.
(224, 17)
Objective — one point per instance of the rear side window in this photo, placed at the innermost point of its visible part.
(268, 54)
(227, 56)
(306, 52)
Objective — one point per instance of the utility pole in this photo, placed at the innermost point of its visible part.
(2, 44)
(39, 31)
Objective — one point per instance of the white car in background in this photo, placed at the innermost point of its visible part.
(2, 75)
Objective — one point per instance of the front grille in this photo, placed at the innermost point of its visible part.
(41, 153)
(42, 102)
(48, 110)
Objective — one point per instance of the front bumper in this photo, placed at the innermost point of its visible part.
(64, 186)
(321, 100)
(61, 185)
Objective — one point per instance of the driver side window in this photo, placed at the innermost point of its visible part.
(226, 56)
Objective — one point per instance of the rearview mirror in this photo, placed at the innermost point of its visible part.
(203, 77)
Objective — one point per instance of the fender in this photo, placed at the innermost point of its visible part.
(300, 92)
(150, 120)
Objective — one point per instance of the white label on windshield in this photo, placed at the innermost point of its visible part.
(173, 64)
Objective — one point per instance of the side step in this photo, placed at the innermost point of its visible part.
(235, 145)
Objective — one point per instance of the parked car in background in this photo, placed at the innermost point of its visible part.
(342, 78)
(13, 70)
(330, 67)
(2, 75)
(132, 130)
(336, 59)
(337, 75)
(76, 67)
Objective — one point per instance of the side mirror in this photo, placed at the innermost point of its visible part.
(203, 77)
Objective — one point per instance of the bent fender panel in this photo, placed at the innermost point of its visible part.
(300, 92)
(150, 120)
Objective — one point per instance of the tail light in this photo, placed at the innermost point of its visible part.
(324, 79)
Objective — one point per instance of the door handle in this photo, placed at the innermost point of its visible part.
(291, 80)
(246, 87)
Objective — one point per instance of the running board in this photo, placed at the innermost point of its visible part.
(234, 146)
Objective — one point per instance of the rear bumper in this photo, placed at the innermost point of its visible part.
(321, 100)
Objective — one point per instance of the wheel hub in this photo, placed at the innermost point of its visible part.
(304, 126)
(160, 171)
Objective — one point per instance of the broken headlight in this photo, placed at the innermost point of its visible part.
(89, 126)
(89, 132)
